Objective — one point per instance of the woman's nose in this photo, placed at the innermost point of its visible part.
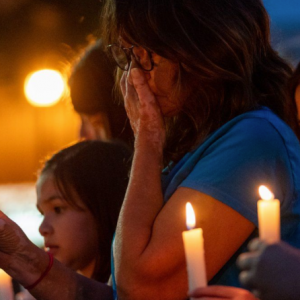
(45, 228)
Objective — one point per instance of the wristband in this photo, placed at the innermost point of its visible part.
(29, 287)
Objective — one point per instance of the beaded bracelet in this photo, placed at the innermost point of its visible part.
(43, 274)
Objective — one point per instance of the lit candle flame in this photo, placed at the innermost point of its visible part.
(190, 216)
(265, 193)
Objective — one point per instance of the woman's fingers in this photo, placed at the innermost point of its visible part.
(140, 104)
(8, 237)
(256, 245)
(247, 279)
(4, 217)
(247, 260)
(131, 101)
(141, 86)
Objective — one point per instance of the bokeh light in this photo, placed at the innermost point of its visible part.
(18, 202)
(44, 87)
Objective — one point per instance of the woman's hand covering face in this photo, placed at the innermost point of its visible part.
(141, 106)
(12, 238)
(18, 252)
(272, 271)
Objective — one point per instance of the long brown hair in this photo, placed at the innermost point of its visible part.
(227, 65)
(91, 89)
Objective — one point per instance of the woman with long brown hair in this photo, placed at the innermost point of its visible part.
(206, 97)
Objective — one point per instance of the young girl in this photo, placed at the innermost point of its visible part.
(80, 191)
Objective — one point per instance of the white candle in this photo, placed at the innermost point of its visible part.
(268, 210)
(6, 290)
(194, 251)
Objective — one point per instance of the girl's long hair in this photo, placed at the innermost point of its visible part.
(97, 172)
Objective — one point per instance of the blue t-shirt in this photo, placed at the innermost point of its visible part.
(253, 149)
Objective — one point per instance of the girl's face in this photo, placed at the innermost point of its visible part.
(69, 234)
(161, 80)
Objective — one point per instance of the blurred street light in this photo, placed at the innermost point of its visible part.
(44, 88)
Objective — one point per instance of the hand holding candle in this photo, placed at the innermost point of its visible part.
(268, 210)
(194, 251)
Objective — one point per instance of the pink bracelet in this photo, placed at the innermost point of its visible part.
(43, 274)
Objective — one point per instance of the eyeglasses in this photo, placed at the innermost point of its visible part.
(122, 56)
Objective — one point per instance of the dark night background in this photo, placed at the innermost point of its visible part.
(41, 32)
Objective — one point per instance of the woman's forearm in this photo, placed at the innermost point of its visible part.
(133, 250)
(59, 283)
(142, 204)
(63, 283)
(25, 262)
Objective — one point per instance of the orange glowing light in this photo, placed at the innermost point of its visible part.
(190, 216)
(265, 193)
(44, 87)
